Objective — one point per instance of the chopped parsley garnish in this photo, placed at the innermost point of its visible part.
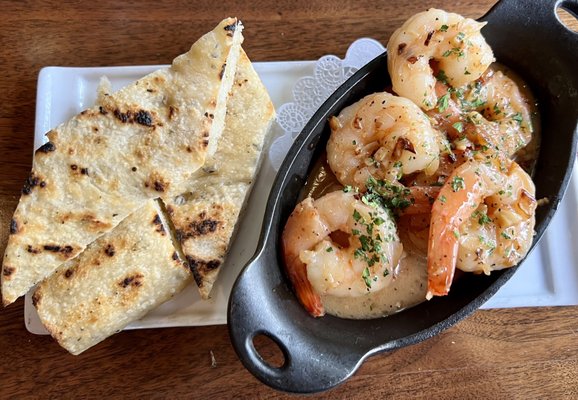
(365, 242)
(478, 102)
(518, 117)
(442, 199)
(366, 278)
(442, 77)
(490, 244)
(496, 109)
(456, 50)
(370, 241)
(443, 102)
(482, 217)
(329, 249)
(505, 235)
(389, 196)
(382, 197)
(458, 183)
(460, 36)
(459, 126)
(444, 28)
(477, 87)
(459, 93)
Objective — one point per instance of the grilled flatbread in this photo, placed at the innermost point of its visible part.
(205, 216)
(135, 268)
(118, 279)
(139, 143)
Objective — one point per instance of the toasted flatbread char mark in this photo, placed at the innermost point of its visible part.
(201, 269)
(205, 217)
(64, 250)
(7, 271)
(204, 228)
(140, 117)
(109, 250)
(118, 279)
(46, 148)
(13, 227)
(160, 228)
(132, 280)
(136, 144)
(199, 227)
(36, 298)
(32, 182)
(135, 115)
(157, 183)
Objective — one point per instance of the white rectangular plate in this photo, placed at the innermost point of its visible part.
(64, 92)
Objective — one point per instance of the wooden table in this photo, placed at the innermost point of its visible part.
(501, 354)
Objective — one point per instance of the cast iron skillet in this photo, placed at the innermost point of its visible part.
(321, 353)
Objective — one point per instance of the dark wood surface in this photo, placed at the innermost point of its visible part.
(498, 354)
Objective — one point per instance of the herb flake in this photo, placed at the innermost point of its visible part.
(443, 102)
(458, 183)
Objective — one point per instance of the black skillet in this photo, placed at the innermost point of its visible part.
(321, 353)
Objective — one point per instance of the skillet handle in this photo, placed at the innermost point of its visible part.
(571, 6)
(311, 363)
(533, 14)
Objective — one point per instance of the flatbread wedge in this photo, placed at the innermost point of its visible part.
(205, 217)
(144, 141)
(118, 279)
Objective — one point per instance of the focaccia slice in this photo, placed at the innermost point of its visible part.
(205, 216)
(144, 141)
(118, 279)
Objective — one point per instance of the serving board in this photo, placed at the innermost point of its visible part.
(547, 277)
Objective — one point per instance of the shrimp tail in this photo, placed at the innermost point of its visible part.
(441, 266)
(297, 236)
(305, 292)
(452, 206)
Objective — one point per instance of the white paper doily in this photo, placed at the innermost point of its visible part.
(310, 92)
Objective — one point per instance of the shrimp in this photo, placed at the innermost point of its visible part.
(482, 220)
(381, 136)
(502, 116)
(490, 116)
(454, 42)
(490, 112)
(339, 246)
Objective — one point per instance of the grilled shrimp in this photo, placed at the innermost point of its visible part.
(489, 113)
(482, 220)
(381, 136)
(450, 40)
(340, 246)
(502, 116)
